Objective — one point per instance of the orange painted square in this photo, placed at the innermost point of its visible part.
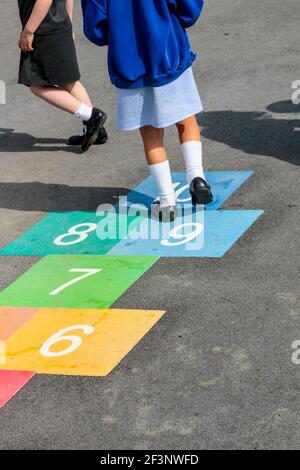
(102, 338)
(12, 318)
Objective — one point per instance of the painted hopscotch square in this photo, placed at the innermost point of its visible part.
(82, 281)
(69, 233)
(223, 184)
(77, 341)
(76, 232)
(12, 318)
(212, 236)
(11, 382)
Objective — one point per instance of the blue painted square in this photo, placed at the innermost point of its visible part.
(68, 233)
(223, 184)
(53, 234)
(221, 230)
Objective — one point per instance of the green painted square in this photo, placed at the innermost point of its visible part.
(70, 233)
(104, 280)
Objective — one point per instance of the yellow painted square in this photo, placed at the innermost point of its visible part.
(98, 339)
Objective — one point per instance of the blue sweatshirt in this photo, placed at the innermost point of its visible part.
(147, 40)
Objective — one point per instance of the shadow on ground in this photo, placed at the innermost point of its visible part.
(41, 197)
(11, 141)
(256, 132)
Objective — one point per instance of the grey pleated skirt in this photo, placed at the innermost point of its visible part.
(53, 61)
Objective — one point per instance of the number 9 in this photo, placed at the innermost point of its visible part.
(177, 233)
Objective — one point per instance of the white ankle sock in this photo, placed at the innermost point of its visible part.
(84, 112)
(161, 174)
(192, 153)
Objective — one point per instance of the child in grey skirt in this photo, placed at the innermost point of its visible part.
(149, 59)
(49, 67)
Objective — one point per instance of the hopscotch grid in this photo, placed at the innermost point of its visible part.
(130, 193)
(25, 246)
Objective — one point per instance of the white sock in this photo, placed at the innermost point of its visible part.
(84, 112)
(161, 174)
(192, 153)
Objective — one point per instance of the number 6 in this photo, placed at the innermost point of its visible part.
(179, 191)
(59, 336)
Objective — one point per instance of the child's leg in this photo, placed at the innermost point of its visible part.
(62, 99)
(57, 97)
(158, 163)
(153, 140)
(79, 92)
(190, 139)
(188, 130)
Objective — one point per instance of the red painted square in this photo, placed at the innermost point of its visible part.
(11, 381)
(11, 319)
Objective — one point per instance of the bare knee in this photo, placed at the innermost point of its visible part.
(153, 137)
(180, 124)
(188, 129)
(69, 86)
(152, 133)
(180, 127)
(36, 90)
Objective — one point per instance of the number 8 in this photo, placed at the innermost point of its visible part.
(81, 234)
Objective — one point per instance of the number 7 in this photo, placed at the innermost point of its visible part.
(87, 273)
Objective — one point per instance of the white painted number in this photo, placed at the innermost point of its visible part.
(81, 235)
(296, 354)
(178, 234)
(87, 273)
(61, 336)
(296, 93)
(181, 190)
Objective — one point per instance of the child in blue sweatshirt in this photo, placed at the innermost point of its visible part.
(149, 60)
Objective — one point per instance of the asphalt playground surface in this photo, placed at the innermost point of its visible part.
(216, 371)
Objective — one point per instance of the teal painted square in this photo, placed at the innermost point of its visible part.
(221, 230)
(53, 235)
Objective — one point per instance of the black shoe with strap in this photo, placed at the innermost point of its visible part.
(93, 125)
(200, 191)
(78, 139)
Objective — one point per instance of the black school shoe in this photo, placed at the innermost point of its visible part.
(163, 214)
(78, 139)
(200, 191)
(93, 125)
